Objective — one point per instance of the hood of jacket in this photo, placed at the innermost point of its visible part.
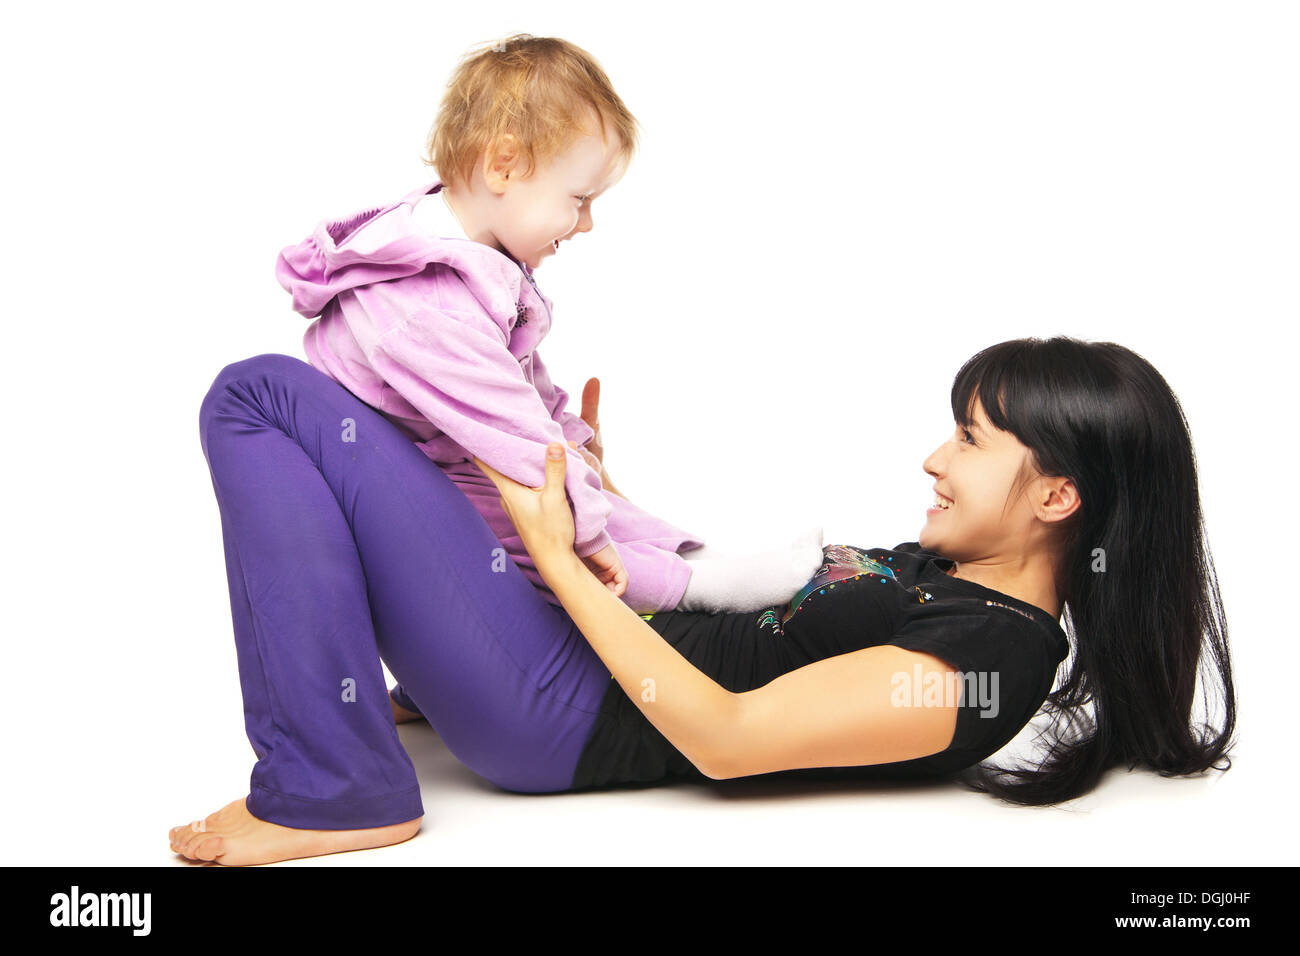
(385, 242)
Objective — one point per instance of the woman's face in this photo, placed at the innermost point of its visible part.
(987, 516)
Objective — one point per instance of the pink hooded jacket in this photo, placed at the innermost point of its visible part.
(440, 335)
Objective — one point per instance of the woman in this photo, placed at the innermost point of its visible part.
(1068, 485)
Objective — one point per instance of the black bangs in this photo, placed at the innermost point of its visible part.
(1007, 378)
(1051, 394)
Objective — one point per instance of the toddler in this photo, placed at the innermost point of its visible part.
(427, 310)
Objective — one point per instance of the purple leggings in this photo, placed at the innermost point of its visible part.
(345, 545)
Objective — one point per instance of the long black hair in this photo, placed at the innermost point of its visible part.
(1134, 572)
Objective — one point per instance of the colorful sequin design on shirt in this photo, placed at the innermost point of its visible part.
(843, 562)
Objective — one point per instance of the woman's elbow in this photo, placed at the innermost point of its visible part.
(720, 758)
(714, 770)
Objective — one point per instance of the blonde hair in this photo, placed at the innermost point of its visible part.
(540, 89)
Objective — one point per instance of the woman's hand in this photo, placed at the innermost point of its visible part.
(590, 459)
(545, 523)
(597, 467)
(595, 449)
(591, 415)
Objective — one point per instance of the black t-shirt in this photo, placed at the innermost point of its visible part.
(858, 598)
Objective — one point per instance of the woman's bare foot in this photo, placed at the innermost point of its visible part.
(400, 714)
(234, 837)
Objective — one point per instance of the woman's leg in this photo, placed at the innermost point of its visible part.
(345, 545)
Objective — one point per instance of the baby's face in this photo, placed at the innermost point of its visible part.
(534, 215)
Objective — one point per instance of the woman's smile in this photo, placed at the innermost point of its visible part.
(941, 504)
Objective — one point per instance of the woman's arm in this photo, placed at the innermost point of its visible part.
(844, 711)
(837, 712)
(691, 710)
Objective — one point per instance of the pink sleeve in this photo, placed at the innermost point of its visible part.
(555, 399)
(455, 368)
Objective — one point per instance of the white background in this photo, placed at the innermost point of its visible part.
(833, 207)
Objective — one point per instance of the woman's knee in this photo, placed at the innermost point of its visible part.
(269, 365)
(254, 373)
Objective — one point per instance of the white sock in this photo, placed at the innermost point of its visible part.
(754, 582)
(706, 551)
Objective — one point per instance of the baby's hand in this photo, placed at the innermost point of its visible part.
(588, 457)
(608, 568)
(599, 467)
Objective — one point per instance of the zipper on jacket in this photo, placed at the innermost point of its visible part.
(549, 320)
